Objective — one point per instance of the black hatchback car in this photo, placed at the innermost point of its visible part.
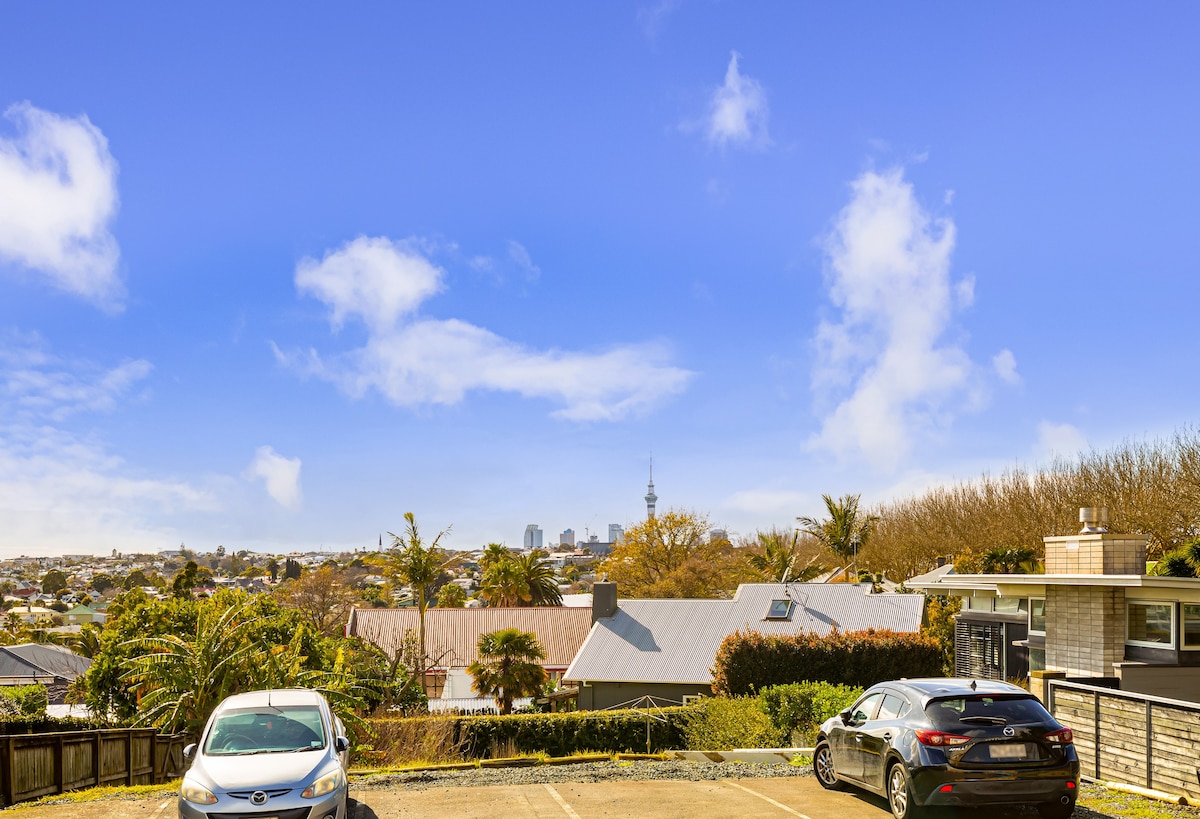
(939, 742)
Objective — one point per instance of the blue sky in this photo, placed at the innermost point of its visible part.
(273, 274)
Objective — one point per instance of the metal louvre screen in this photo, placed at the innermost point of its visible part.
(979, 650)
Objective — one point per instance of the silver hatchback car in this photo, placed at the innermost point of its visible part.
(277, 754)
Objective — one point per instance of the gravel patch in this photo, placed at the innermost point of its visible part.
(583, 772)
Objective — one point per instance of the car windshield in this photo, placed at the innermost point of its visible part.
(984, 710)
(269, 729)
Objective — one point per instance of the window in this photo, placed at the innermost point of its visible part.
(780, 610)
(1037, 615)
(1150, 624)
(865, 710)
(893, 707)
(688, 699)
(1191, 625)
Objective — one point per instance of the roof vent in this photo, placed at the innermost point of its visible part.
(1094, 520)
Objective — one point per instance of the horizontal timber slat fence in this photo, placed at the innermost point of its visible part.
(35, 765)
(1135, 739)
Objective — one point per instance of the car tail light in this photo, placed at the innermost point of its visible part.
(1063, 735)
(940, 739)
(1070, 784)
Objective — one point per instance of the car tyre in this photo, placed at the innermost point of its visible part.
(823, 768)
(1056, 810)
(899, 794)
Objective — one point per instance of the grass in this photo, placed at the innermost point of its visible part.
(1131, 806)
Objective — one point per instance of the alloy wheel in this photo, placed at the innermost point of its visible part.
(823, 765)
(898, 793)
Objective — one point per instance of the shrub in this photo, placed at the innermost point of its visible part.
(749, 662)
(724, 723)
(24, 700)
(562, 734)
(797, 709)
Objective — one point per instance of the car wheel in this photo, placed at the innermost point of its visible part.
(823, 768)
(898, 794)
(1056, 810)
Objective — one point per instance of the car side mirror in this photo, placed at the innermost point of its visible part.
(189, 751)
(845, 715)
(341, 745)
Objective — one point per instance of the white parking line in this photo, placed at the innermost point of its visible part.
(779, 805)
(562, 803)
(162, 809)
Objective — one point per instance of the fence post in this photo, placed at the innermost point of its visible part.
(1096, 732)
(6, 772)
(1149, 747)
(59, 764)
(129, 756)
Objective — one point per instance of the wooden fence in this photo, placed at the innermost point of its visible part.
(34, 765)
(1135, 739)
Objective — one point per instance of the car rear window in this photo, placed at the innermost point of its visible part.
(959, 711)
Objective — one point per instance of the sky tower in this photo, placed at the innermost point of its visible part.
(651, 498)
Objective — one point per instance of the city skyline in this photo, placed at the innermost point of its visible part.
(271, 277)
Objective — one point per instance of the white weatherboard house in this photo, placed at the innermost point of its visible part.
(665, 649)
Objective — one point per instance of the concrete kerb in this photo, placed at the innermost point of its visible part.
(744, 755)
(758, 756)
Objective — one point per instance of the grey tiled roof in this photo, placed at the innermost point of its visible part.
(676, 641)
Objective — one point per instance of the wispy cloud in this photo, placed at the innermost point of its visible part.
(884, 361)
(280, 475)
(522, 259)
(38, 385)
(738, 111)
(413, 361)
(652, 17)
(1058, 441)
(1005, 365)
(58, 196)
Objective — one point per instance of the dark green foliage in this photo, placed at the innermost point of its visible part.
(24, 700)
(563, 734)
(801, 707)
(749, 662)
(47, 725)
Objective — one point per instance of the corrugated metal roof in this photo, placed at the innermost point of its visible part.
(452, 635)
(676, 641)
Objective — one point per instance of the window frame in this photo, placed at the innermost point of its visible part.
(1182, 627)
(1171, 643)
(1032, 630)
(787, 612)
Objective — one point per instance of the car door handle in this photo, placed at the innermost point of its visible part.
(887, 737)
(858, 737)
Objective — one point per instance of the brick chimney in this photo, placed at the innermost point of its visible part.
(1094, 550)
(604, 599)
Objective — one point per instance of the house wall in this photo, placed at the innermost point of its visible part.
(597, 696)
(1173, 682)
(1085, 629)
(1095, 554)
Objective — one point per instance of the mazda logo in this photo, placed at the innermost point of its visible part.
(1008, 732)
(259, 797)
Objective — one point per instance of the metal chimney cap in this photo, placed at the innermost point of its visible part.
(1094, 519)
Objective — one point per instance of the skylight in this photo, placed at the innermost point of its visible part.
(780, 610)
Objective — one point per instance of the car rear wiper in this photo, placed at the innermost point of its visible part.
(985, 720)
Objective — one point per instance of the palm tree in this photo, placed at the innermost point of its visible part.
(183, 679)
(1009, 560)
(493, 553)
(508, 667)
(779, 558)
(845, 532)
(501, 584)
(419, 566)
(539, 583)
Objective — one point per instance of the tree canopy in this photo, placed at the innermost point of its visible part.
(676, 554)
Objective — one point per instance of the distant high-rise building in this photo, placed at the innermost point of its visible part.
(615, 532)
(718, 534)
(533, 536)
(567, 538)
(651, 498)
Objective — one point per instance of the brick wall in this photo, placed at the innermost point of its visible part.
(1096, 554)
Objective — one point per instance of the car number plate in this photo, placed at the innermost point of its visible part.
(1008, 751)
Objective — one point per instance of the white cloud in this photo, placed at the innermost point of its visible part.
(1005, 365)
(413, 361)
(35, 384)
(281, 476)
(738, 110)
(1059, 441)
(651, 18)
(58, 196)
(769, 503)
(518, 253)
(883, 362)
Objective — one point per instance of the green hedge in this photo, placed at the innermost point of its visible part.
(798, 709)
(749, 662)
(563, 734)
(43, 724)
(23, 700)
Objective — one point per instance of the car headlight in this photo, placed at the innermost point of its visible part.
(198, 794)
(326, 784)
